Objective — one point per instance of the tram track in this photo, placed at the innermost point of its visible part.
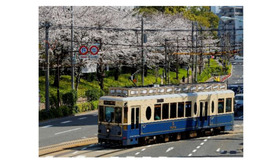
(91, 148)
(66, 145)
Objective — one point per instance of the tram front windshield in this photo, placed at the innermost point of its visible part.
(112, 114)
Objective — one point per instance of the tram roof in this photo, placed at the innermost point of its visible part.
(178, 95)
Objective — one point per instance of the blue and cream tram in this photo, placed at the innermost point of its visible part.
(129, 116)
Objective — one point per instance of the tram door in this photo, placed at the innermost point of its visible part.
(203, 113)
(135, 119)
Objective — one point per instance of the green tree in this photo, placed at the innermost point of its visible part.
(201, 14)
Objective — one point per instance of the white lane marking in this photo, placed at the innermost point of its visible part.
(137, 153)
(66, 122)
(190, 155)
(205, 140)
(194, 150)
(149, 146)
(208, 137)
(91, 145)
(202, 143)
(47, 126)
(84, 148)
(198, 147)
(143, 149)
(169, 149)
(67, 131)
(75, 152)
(82, 118)
(80, 156)
(218, 150)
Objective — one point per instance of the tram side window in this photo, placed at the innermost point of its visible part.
(221, 105)
(165, 111)
(157, 113)
(101, 113)
(125, 110)
(181, 109)
(137, 118)
(118, 113)
(188, 106)
(173, 109)
(228, 105)
(132, 118)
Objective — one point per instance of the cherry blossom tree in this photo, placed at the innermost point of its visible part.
(120, 34)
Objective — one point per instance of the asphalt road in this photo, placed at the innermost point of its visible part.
(68, 129)
(228, 144)
(237, 72)
(223, 145)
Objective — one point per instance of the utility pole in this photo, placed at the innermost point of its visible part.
(195, 73)
(165, 60)
(58, 75)
(177, 60)
(142, 50)
(47, 26)
(192, 52)
(72, 52)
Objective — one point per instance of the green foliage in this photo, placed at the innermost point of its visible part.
(94, 105)
(87, 106)
(70, 98)
(201, 14)
(66, 110)
(94, 94)
(54, 113)
(43, 114)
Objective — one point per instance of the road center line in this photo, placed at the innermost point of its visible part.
(47, 126)
(218, 150)
(82, 118)
(137, 153)
(84, 148)
(66, 122)
(67, 131)
(190, 155)
(169, 149)
(202, 143)
(198, 147)
(194, 150)
(143, 149)
(205, 140)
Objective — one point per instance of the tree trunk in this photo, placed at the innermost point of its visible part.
(78, 78)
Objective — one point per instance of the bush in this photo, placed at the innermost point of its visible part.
(94, 94)
(66, 110)
(56, 112)
(43, 114)
(94, 105)
(70, 98)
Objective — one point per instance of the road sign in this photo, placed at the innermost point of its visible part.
(83, 50)
(94, 50)
(89, 68)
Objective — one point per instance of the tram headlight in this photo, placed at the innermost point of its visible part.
(125, 128)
